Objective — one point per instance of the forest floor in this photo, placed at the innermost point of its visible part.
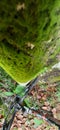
(44, 101)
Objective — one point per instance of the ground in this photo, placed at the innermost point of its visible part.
(45, 96)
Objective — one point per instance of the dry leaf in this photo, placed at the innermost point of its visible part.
(20, 6)
(30, 45)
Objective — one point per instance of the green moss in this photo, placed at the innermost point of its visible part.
(28, 31)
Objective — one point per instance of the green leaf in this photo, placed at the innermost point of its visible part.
(27, 102)
(58, 95)
(8, 93)
(38, 122)
(19, 90)
(44, 70)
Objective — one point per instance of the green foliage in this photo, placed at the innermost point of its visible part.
(38, 122)
(19, 90)
(2, 109)
(8, 93)
(44, 70)
(6, 81)
(27, 102)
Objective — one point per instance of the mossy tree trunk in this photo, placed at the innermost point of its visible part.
(29, 36)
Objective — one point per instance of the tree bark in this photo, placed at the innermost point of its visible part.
(29, 36)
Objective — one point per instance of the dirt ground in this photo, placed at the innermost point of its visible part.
(44, 96)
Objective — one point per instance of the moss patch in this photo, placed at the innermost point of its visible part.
(23, 22)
